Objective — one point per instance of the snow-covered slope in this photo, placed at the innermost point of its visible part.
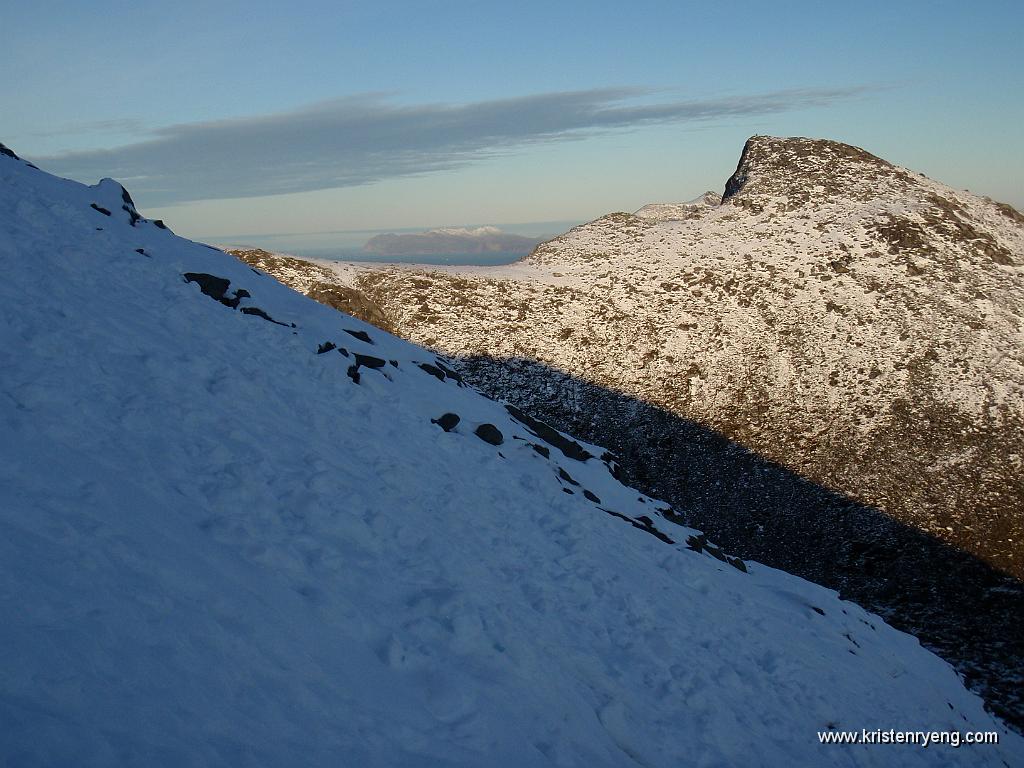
(844, 318)
(239, 529)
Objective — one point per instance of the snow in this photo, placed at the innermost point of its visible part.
(219, 549)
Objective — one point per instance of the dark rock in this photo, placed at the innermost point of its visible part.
(327, 346)
(542, 450)
(566, 476)
(671, 515)
(434, 371)
(133, 215)
(451, 374)
(592, 496)
(142, 251)
(361, 335)
(550, 435)
(646, 526)
(489, 434)
(735, 182)
(102, 210)
(645, 523)
(736, 563)
(393, 363)
(612, 462)
(217, 288)
(159, 224)
(211, 285)
(447, 421)
(260, 313)
(620, 516)
(362, 361)
(369, 361)
(699, 543)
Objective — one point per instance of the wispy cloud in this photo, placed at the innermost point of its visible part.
(119, 125)
(353, 141)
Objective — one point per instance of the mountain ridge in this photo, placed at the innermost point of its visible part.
(849, 319)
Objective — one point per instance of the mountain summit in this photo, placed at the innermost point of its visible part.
(785, 175)
(837, 319)
(811, 171)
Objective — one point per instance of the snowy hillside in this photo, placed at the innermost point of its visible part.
(242, 529)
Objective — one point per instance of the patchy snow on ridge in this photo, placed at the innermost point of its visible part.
(240, 528)
(679, 211)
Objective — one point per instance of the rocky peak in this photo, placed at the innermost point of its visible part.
(798, 171)
(905, 214)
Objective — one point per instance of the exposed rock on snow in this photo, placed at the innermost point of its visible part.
(489, 434)
(447, 421)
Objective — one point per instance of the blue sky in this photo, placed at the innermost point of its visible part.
(229, 118)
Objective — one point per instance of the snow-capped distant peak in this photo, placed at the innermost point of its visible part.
(465, 232)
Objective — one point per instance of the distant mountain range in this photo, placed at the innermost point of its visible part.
(832, 318)
(450, 240)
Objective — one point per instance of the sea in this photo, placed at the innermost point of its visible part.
(347, 245)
